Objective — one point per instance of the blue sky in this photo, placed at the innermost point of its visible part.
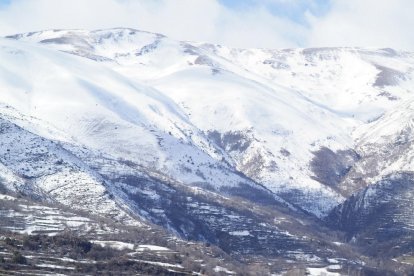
(291, 9)
(235, 23)
(4, 2)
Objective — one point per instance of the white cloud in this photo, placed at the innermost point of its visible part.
(375, 23)
(367, 23)
(204, 20)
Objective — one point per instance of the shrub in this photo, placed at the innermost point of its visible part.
(10, 242)
(18, 258)
(31, 242)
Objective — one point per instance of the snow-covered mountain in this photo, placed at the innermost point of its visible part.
(143, 128)
(264, 112)
(379, 218)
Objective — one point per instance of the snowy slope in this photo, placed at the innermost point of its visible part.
(70, 126)
(385, 147)
(246, 149)
(25, 217)
(265, 113)
(105, 111)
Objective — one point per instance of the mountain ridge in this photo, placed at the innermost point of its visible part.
(168, 131)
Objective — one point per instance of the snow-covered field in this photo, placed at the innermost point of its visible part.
(26, 217)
